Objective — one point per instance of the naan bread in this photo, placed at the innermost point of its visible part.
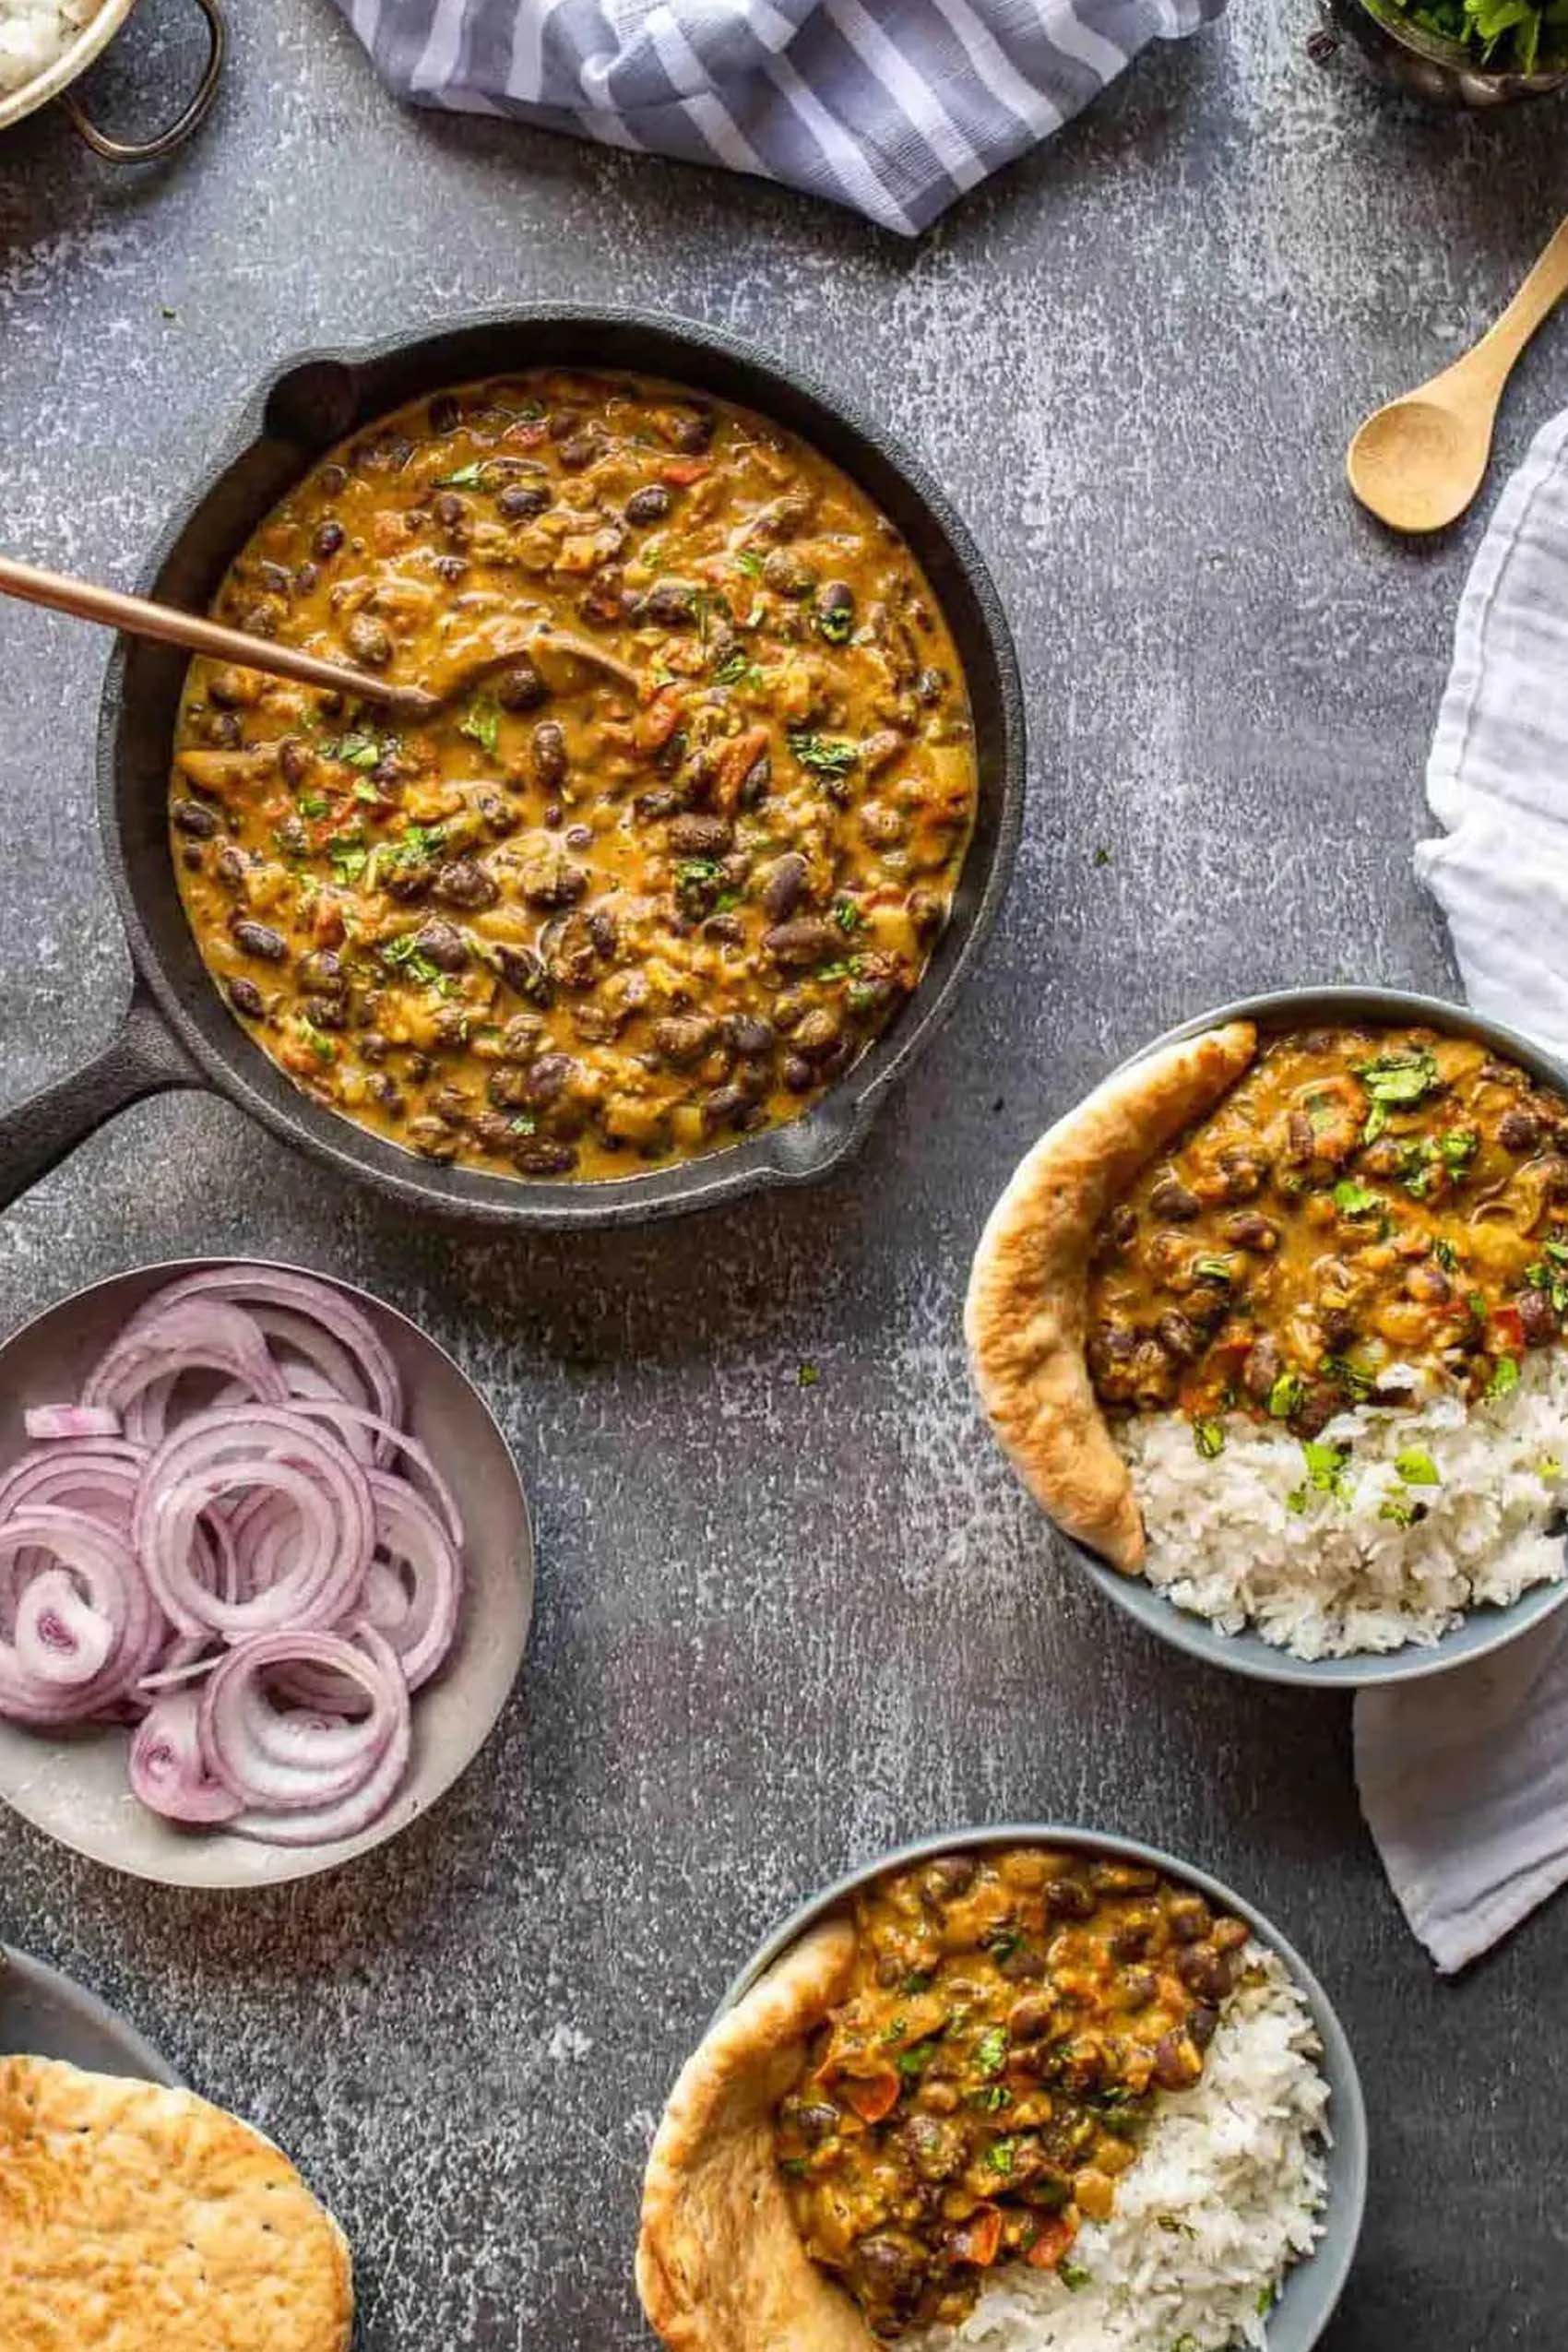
(1026, 1312)
(720, 2265)
(138, 2219)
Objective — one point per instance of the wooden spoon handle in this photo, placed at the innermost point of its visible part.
(168, 625)
(1542, 290)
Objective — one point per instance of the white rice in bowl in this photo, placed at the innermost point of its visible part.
(1227, 2191)
(33, 33)
(1383, 1531)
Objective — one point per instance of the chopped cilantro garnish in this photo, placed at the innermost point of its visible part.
(794, 2166)
(481, 723)
(525, 1124)
(1003, 1945)
(1446, 1254)
(1402, 1514)
(823, 755)
(991, 2050)
(1348, 1375)
(1549, 1466)
(311, 804)
(1212, 1270)
(469, 477)
(1505, 1376)
(694, 872)
(1209, 1438)
(847, 915)
(418, 843)
(1073, 2276)
(735, 669)
(354, 751)
(994, 2098)
(918, 1980)
(1285, 1395)
(808, 1376)
(999, 2155)
(832, 971)
(1377, 1120)
(1400, 1078)
(835, 624)
(1264, 2302)
(322, 1046)
(1325, 1470)
(405, 957)
(348, 860)
(750, 562)
(1458, 1148)
(913, 2062)
(1416, 1467)
(1354, 1200)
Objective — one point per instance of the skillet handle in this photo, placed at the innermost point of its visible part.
(37, 1134)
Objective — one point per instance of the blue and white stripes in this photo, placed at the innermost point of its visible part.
(893, 106)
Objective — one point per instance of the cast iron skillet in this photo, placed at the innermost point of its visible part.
(177, 1032)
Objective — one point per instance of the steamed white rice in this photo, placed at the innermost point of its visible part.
(1334, 1574)
(33, 33)
(1227, 2191)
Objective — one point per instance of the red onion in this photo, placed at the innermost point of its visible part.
(234, 1557)
(297, 1769)
(167, 1768)
(71, 1420)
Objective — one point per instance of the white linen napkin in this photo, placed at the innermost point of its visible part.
(1464, 1781)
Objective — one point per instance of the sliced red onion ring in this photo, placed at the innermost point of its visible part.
(136, 1374)
(61, 1638)
(99, 1556)
(71, 1420)
(318, 1302)
(229, 1450)
(345, 1417)
(168, 1771)
(305, 1777)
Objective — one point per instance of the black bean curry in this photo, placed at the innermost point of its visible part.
(1011, 2020)
(1363, 1200)
(679, 847)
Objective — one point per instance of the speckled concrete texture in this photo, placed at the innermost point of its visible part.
(780, 1625)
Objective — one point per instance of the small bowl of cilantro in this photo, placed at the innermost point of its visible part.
(1459, 53)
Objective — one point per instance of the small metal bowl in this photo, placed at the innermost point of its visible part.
(1314, 2288)
(1485, 1628)
(55, 83)
(1423, 65)
(73, 1785)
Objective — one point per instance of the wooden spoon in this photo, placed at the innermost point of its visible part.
(168, 625)
(1418, 462)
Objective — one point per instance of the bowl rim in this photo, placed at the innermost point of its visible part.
(305, 1861)
(1247, 1653)
(1348, 2117)
(93, 39)
(42, 1976)
(1437, 48)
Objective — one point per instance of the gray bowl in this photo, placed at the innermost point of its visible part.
(44, 2015)
(1484, 1628)
(1423, 65)
(1314, 2288)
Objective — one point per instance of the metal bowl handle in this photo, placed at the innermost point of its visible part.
(147, 150)
(142, 1058)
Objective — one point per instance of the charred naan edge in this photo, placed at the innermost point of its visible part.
(720, 2265)
(138, 2219)
(1026, 1312)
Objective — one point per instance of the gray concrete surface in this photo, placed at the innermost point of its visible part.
(781, 1626)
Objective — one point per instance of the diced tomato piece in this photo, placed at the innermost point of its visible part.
(1507, 1326)
(656, 725)
(740, 756)
(871, 2096)
(680, 473)
(327, 921)
(529, 434)
(979, 2238)
(1051, 2242)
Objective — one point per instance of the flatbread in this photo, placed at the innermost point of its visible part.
(1026, 1312)
(138, 2219)
(720, 2265)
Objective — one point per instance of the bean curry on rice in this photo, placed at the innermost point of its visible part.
(1010, 2022)
(619, 904)
(1363, 1200)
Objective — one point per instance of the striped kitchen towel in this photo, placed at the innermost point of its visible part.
(895, 107)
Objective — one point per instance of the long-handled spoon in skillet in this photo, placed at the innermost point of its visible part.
(168, 625)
